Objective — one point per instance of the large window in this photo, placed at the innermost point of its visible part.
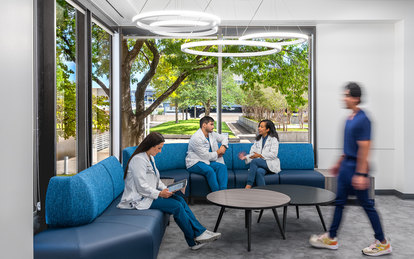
(101, 63)
(66, 93)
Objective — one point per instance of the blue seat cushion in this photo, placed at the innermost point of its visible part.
(126, 154)
(115, 234)
(177, 175)
(200, 187)
(302, 177)
(241, 178)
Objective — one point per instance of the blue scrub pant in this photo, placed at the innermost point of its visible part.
(345, 188)
(258, 169)
(215, 173)
(183, 216)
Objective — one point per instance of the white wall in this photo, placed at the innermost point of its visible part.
(16, 108)
(363, 53)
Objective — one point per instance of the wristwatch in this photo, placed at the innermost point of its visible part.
(361, 174)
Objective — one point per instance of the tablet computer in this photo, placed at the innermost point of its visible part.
(177, 185)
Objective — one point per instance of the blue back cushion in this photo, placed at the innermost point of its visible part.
(236, 149)
(172, 156)
(228, 157)
(78, 199)
(114, 169)
(296, 156)
(126, 154)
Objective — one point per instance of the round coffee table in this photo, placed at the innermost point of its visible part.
(301, 195)
(248, 200)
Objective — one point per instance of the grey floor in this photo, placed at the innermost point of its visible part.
(355, 233)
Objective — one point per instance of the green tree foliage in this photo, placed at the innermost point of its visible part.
(65, 58)
(287, 72)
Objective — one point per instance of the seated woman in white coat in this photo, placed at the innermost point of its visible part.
(263, 154)
(144, 190)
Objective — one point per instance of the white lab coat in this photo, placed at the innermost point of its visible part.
(198, 148)
(142, 184)
(269, 153)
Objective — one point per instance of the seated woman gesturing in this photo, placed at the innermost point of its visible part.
(144, 190)
(263, 154)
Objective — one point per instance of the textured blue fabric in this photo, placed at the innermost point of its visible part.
(115, 234)
(177, 175)
(236, 149)
(114, 169)
(172, 156)
(78, 199)
(302, 177)
(240, 177)
(228, 157)
(126, 154)
(296, 156)
(199, 185)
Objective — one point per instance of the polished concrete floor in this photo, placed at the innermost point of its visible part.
(355, 233)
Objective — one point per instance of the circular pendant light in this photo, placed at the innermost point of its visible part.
(274, 48)
(296, 38)
(178, 23)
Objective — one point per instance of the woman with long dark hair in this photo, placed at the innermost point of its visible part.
(263, 154)
(144, 190)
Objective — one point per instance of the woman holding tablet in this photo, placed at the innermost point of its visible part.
(144, 190)
(263, 154)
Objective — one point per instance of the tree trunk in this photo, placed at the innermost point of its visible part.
(207, 108)
(176, 111)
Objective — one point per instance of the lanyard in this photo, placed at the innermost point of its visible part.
(153, 167)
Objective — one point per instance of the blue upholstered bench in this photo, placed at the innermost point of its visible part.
(83, 221)
(296, 159)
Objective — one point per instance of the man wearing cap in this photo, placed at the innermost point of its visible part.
(353, 176)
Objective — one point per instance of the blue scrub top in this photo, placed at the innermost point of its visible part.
(209, 144)
(356, 129)
(264, 140)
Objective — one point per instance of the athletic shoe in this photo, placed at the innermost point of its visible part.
(377, 248)
(207, 236)
(324, 241)
(197, 246)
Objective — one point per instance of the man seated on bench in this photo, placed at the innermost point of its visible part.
(205, 157)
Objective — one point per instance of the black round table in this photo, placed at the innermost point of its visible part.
(301, 195)
(248, 200)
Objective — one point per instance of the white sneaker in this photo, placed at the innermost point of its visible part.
(324, 241)
(377, 248)
(207, 236)
(197, 246)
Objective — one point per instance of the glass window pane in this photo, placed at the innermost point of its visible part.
(101, 61)
(66, 146)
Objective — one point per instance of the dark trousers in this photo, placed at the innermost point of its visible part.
(346, 172)
(183, 216)
(257, 172)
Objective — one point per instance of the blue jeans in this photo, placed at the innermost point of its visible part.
(215, 173)
(345, 188)
(183, 216)
(258, 169)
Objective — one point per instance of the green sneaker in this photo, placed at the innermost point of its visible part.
(324, 241)
(377, 248)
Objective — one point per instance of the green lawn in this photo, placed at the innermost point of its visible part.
(186, 127)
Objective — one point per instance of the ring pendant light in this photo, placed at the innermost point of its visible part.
(298, 37)
(186, 22)
(274, 48)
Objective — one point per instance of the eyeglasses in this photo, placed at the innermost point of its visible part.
(347, 95)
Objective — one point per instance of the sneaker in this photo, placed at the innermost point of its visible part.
(377, 248)
(197, 246)
(207, 236)
(323, 241)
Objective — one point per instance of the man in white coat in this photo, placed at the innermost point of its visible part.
(205, 157)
